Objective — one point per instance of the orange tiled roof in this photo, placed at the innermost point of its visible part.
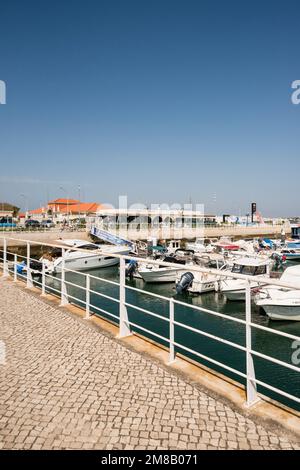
(63, 201)
(40, 210)
(84, 207)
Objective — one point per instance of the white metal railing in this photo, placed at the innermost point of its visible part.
(125, 324)
(19, 229)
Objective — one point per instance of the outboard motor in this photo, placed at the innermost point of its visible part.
(185, 282)
(131, 268)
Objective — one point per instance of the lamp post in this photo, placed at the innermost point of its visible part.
(25, 202)
(68, 213)
(79, 215)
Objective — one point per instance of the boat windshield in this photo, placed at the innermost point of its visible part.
(84, 247)
(89, 247)
(249, 270)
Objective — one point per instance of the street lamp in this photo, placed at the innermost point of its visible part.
(79, 215)
(68, 214)
(25, 202)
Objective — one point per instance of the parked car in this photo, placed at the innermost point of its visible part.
(47, 223)
(32, 223)
(7, 222)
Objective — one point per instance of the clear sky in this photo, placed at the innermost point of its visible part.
(160, 100)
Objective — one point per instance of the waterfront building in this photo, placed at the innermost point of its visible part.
(112, 218)
(62, 209)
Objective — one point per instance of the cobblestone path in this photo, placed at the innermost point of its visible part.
(67, 386)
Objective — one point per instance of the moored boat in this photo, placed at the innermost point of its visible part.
(281, 303)
(94, 256)
(234, 289)
(159, 273)
(198, 282)
(290, 254)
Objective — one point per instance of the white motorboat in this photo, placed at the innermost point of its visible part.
(151, 273)
(197, 282)
(281, 303)
(155, 273)
(199, 247)
(173, 245)
(100, 256)
(290, 254)
(234, 289)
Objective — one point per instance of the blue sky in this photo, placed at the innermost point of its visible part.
(163, 101)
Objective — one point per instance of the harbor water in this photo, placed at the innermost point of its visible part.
(264, 342)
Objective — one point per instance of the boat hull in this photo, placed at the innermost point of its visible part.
(236, 290)
(200, 287)
(239, 294)
(159, 276)
(292, 256)
(282, 312)
(87, 263)
(235, 294)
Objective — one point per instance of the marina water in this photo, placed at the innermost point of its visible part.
(265, 342)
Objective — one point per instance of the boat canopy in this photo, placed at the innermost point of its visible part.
(291, 274)
(253, 261)
(268, 242)
(251, 266)
(293, 244)
(161, 249)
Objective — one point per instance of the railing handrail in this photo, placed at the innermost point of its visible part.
(181, 267)
(125, 323)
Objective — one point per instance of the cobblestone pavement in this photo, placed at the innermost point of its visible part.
(66, 385)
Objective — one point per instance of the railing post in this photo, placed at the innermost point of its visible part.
(43, 279)
(64, 294)
(87, 297)
(124, 327)
(5, 272)
(15, 267)
(29, 282)
(171, 333)
(251, 389)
